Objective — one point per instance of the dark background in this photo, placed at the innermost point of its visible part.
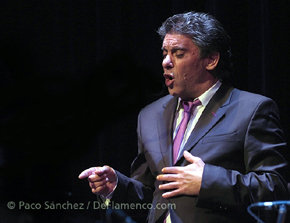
(74, 74)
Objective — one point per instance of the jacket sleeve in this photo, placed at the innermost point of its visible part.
(136, 190)
(265, 166)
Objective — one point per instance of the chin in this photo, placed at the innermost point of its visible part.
(173, 92)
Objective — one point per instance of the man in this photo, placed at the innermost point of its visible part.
(207, 148)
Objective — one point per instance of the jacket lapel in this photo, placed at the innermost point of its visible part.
(213, 113)
(165, 123)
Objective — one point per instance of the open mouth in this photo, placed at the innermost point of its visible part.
(169, 79)
(169, 76)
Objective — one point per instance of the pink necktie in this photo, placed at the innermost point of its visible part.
(188, 107)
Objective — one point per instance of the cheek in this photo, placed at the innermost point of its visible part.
(186, 73)
(182, 69)
(192, 71)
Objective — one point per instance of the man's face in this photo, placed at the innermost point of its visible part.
(185, 73)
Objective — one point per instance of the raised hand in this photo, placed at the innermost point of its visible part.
(102, 180)
(182, 180)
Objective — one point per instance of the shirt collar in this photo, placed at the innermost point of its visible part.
(206, 96)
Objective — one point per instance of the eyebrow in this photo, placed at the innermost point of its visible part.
(174, 49)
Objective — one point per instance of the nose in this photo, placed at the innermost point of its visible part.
(167, 62)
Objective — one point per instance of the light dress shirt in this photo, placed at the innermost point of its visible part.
(204, 99)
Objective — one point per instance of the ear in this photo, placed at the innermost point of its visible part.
(212, 61)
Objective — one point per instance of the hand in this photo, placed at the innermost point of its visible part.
(182, 180)
(102, 180)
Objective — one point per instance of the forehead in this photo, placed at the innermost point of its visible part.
(177, 40)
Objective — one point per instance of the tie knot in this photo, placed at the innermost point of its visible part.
(189, 105)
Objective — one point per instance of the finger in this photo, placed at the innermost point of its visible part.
(95, 185)
(97, 190)
(92, 185)
(87, 172)
(102, 170)
(94, 170)
(171, 170)
(170, 194)
(168, 177)
(95, 178)
(189, 157)
(169, 186)
(101, 190)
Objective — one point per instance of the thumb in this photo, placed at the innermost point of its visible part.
(190, 158)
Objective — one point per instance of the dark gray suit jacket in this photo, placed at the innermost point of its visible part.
(240, 140)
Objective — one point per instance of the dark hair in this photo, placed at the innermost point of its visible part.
(207, 34)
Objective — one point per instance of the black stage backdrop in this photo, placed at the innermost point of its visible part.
(74, 74)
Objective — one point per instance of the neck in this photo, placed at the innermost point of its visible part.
(201, 89)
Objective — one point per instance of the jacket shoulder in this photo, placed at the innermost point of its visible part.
(251, 98)
(158, 105)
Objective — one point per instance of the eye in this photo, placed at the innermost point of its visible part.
(179, 55)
